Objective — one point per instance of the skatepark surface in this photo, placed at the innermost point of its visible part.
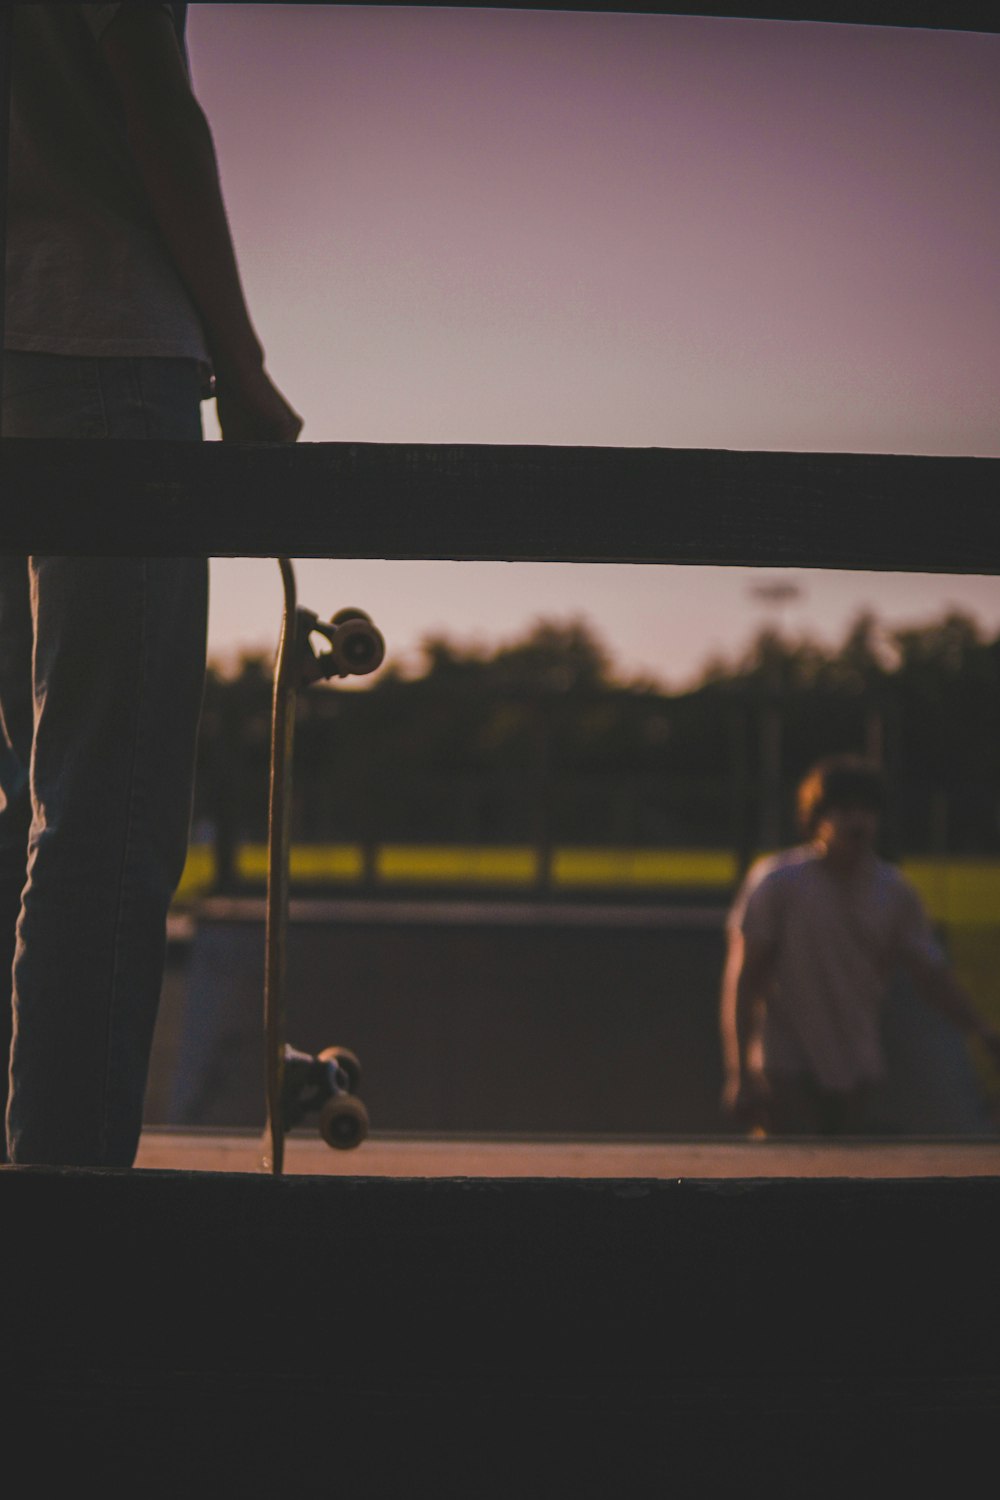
(429, 1156)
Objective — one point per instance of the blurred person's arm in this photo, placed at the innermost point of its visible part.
(940, 987)
(924, 961)
(746, 980)
(171, 141)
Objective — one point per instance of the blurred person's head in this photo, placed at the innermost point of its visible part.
(840, 804)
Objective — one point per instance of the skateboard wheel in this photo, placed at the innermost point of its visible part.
(350, 612)
(346, 1060)
(343, 1122)
(357, 646)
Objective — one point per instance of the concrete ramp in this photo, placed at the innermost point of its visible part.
(520, 1017)
(183, 1334)
(468, 1016)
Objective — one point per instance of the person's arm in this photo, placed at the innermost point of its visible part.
(921, 956)
(940, 987)
(170, 139)
(745, 983)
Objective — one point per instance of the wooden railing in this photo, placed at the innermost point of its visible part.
(870, 511)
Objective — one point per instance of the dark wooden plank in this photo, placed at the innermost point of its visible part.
(635, 1330)
(227, 1436)
(961, 15)
(505, 502)
(452, 1275)
(6, 21)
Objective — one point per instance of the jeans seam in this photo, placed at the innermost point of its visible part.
(127, 843)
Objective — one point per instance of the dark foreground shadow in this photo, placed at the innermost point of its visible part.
(223, 1334)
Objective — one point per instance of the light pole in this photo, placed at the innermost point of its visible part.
(775, 594)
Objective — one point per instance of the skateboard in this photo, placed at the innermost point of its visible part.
(299, 1083)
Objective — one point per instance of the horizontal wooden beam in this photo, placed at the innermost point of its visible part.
(6, 25)
(393, 500)
(950, 15)
(629, 1337)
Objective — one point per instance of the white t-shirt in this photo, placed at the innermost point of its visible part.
(838, 943)
(87, 271)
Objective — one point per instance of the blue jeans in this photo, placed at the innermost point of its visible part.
(102, 664)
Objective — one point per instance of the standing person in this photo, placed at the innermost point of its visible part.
(815, 936)
(124, 310)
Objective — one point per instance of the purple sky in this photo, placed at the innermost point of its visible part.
(510, 227)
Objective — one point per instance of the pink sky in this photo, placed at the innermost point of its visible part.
(515, 227)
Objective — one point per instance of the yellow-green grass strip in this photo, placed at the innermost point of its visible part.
(958, 892)
(307, 862)
(661, 868)
(456, 864)
(198, 875)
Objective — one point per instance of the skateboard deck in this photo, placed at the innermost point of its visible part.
(299, 1083)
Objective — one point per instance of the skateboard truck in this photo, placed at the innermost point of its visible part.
(326, 1083)
(297, 1082)
(356, 647)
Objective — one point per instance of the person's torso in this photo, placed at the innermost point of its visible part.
(837, 945)
(87, 271)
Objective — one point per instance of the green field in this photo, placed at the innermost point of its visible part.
(957, 892)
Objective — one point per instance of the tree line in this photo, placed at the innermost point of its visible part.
(540, 740)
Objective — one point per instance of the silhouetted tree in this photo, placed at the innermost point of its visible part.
(489, 743)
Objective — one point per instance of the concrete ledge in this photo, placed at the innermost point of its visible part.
(627, 1329)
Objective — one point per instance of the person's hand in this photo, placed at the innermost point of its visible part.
(253, 410)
